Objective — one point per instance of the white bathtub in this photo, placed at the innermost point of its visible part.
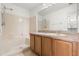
(11, 46)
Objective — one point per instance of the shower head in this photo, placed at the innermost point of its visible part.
(7, 8)
(4, 7)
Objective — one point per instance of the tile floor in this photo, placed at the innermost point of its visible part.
(25, 52)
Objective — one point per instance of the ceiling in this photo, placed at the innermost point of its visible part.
(53, 8)
(28, 5)
(45, 11)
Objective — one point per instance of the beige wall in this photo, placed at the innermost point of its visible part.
(33, 24)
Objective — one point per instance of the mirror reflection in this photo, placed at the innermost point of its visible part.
(59, 17)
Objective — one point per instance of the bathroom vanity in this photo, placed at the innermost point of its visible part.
(54, 44)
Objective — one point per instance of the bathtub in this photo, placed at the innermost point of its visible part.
(11, 46)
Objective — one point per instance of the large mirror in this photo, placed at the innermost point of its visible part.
(59, 17)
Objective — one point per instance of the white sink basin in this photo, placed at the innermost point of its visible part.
(56, 34)
(52, 34)
(62, 34)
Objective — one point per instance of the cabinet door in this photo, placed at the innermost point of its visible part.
(38, 44)
(32, 42)
(77, 49)
(62, 48)
(46, 46)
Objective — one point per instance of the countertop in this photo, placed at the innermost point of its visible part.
(59, 36)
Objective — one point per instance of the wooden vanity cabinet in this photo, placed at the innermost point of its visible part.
(38, 44)
(46, 46)
(62, 48)
(32, 41)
